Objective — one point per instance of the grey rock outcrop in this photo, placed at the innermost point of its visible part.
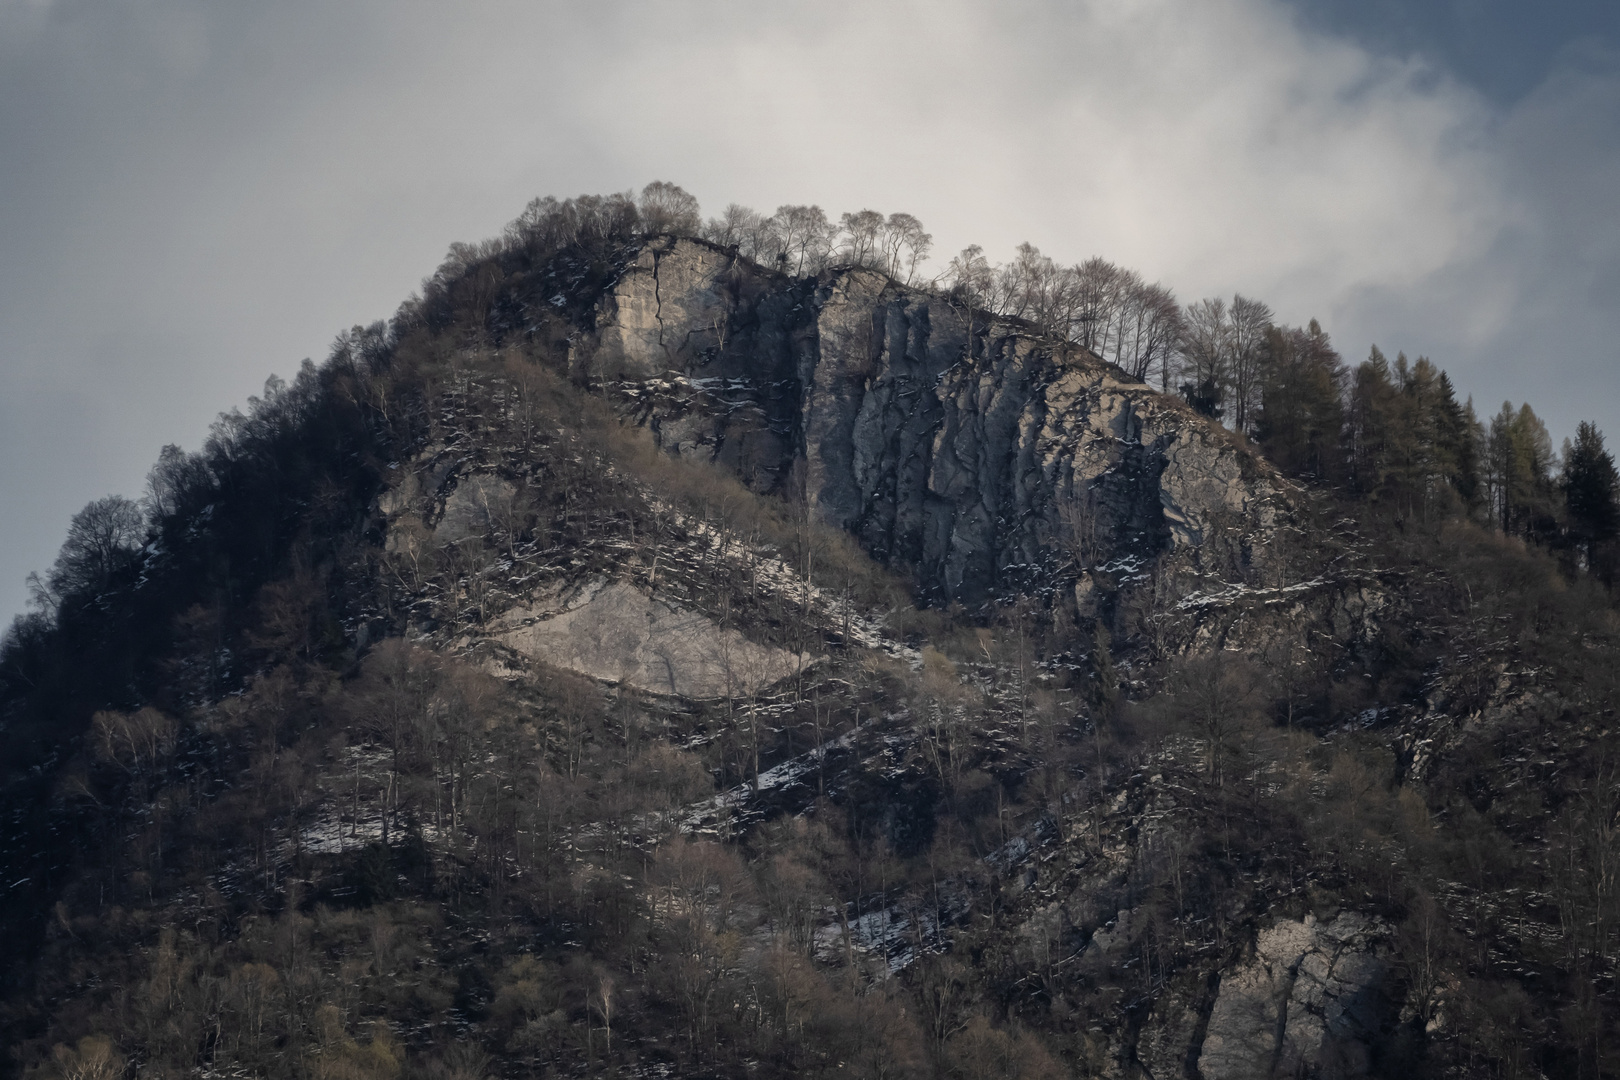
(1311, 1001)
(706, 349)
(963, 449)
(473, 507)
(615, 632)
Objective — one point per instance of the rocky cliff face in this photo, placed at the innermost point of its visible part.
(575, 718)
(1309, 1002)
(979, 457)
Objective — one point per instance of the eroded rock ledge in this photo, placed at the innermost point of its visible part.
(960, 448)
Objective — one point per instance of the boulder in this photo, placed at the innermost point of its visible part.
(1310, 1001)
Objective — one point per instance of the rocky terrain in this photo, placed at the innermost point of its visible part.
(640, 660)
(969, 451)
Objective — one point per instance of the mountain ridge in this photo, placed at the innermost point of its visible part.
(511, 696)
(895, 473)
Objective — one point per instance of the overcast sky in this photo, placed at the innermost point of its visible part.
(195, 195)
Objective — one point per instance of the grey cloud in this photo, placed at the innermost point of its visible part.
(1536, 315)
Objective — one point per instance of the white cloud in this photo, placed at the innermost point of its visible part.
(1214, 144)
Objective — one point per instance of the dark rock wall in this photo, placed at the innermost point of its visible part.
(958, 447)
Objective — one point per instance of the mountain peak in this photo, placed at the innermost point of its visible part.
(637, 658)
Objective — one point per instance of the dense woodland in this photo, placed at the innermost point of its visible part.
(260, 822)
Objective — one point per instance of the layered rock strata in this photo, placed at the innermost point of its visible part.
(966, 450)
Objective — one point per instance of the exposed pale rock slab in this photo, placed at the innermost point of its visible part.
(474, 506)
(615, 632)
(1309, 1002)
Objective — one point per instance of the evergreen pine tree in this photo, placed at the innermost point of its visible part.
(1301, 408)
(1591, 492)
(1374, 424)
(1457, 434)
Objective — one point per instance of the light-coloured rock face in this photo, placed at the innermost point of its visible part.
(706, 351)
(594, 626)
(1308, 1003)
(476, 505)
(617, 633)
(954, 446)
(668, 310)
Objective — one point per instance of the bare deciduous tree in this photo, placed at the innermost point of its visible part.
(1024, 287)
(102, 539)
(1099, 285)
(862, 235)
(1076, 532)
(667, 208)
(903, 245)
(94, 1058)
(176, 475)
(1250, 319)
(1204, 348)
(971, 277)
(1149, 326)
(737, 226)
(1220, 698)
(805, 235)
(135, 742)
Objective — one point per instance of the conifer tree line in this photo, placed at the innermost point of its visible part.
(1394, 434)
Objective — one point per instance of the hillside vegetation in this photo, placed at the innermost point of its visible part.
(474, 707)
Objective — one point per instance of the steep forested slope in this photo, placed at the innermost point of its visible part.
(637, 659)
